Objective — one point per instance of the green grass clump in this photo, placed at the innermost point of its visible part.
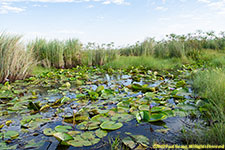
(210, 84)
(58, 54)
(72, 53)
(15, 61)
(146, 61)
(36, 70)
(98, 55)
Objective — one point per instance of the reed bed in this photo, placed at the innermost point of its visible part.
(58, 54)
(177, 46)
(16, 62)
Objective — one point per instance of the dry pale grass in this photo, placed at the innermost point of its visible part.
(15, 61)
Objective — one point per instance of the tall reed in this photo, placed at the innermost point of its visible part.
(15, 61)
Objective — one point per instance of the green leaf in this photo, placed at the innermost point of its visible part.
(11, 134)
(63, 136)
(48, 131)
(129, 142)
(101, 133)
(100, 88)
(141, 140)
(61, 128)
(88, 125)
(111, 125)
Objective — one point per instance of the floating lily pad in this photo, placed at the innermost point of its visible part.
(63, 136)
(61, 128)
(88, 135)
(157, 109)
(85, 139)
(48, 131)
(74, 133)
(101, 133)
(122, 117)
(144, 141)
(89, 125)
(143, 107)
(75, 143)
(100, 117)
(100, 88)
(11, 134)
(111, 125)
(129, 142)
(32, 144)
(153, 117)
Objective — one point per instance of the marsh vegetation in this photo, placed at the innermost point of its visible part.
(66, 95)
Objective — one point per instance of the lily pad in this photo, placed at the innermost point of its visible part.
(11, 134)
(88, 135)
(61, 128)
(110, 125)
(100, 88)
(63, 136)
(153, 117)
(89, 125)
(122, 117)
(144, 141)
(48, 131)
(129, 142)
(101, 133)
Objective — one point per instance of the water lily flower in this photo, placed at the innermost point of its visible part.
(150, 107)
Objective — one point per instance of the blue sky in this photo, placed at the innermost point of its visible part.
(105, 21)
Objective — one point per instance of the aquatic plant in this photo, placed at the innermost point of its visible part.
(15, 62)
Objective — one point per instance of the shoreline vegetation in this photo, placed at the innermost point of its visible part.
(202, 52)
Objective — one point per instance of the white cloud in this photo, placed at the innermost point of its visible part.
(164, 19)
(44, 1)
(118, 2)
(6, 8)
(90, 6)
(204, 1)
(160, 8)
(218, 6)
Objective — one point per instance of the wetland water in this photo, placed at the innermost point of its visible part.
(82, 108)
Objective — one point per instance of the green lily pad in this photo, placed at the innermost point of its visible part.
(85, 139)
(65, 99)
(61, 128)
(63, 136)
(4, 146)
(78, 82)
(110, 125)
(88, 135)
(100, 117)
(88, 125)
(129, 142)
(157, 117)
(144, 107)
(153, 117)
(48, 131)
(11, 134)
(74, 133)
(101, 133)
(67, 85)
(100, 88)
(122, 117)
(157, 109)
(75, 143)
(32, 144)
(180, 83)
